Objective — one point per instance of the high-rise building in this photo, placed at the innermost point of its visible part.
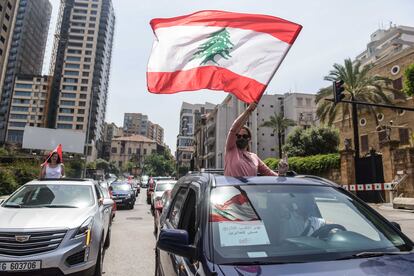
(156, 132)
(7, 17)
(136, 124)
(26, 50)
(189, 114)
(80, 67)
(28, 105)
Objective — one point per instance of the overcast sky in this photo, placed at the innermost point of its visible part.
(332, 31)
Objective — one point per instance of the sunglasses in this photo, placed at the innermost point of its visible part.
(245, 136)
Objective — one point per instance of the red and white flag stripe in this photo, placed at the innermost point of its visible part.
(254, 47)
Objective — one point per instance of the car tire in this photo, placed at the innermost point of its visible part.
(99, 261)
(108, 239)
(131, 206)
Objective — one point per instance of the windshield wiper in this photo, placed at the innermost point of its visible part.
(13, 205)
(261, 263)
(370, 254)
(57, 206)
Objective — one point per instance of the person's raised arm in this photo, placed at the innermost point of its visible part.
(265, 170)
(42, 171)
(237, 125)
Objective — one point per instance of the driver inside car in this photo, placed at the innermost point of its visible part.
(299, 218)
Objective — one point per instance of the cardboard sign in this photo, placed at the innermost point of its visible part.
(242, 233)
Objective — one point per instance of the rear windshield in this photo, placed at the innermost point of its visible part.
(163, 187)
(294, 223)
(121, 186)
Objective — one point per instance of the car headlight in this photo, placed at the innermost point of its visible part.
(128, 195)
(85, 231)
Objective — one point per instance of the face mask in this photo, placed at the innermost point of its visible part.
(242, 143)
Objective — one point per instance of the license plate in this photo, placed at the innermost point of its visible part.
(20, 266)
(118, 200)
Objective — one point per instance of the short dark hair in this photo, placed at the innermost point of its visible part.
(248, 130)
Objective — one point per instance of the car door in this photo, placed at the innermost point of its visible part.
(168, 262)
(186, 219)
(104, 212)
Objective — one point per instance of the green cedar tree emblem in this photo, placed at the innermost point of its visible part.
(218, 44)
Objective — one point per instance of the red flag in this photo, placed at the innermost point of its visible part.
(58, 150)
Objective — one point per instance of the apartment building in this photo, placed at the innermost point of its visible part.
(81, 67)
(28, 106)
(136, 124)
(155, 132)
(28, 36)
(385, 43)
(189, 114)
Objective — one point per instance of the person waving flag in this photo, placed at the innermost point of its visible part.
(234, 52)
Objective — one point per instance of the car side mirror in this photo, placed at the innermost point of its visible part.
(176, 241)
(396, 225)
(1, 201)
(107, 202)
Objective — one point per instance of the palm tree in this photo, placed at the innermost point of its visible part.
(360, 85)
(279, 124)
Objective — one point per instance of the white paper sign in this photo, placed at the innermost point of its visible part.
(242, 233)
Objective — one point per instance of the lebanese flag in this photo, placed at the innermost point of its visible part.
(237, 208)
(234, 52)
(58, 150)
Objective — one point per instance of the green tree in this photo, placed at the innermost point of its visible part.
(158, 164)
(91, 166)
(102, 164)
(360, 85)
(3, 151)
(279, 124)
(312, 141)
(409, 80)
(8, 183)
(218, 44)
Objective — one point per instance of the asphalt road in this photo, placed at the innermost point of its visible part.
(132, 242)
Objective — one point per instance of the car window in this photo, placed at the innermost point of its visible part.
(176, 208)
(287, 223)
(188, 217)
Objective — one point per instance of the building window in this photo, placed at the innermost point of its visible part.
(84, 88)
(71, 58)
(17, 124)
(129, 150)
(404, 136)
(72, 66)
(64, 126)
(85, 81)
(81, 111)
(69, 95)
(364, 143)
(70, 80)
(82, 96)
(20, 109)
(82, 103)
(80, 119)
(73, 51)
(79, 127)
(114, 150)
(22, 94)
(71, 103)
(72, 73)
(145, 151)
(397, 84)
(85, 74)
(382, 136)
(67, 110)
(69, 87)
(23, 85)
(65, 118)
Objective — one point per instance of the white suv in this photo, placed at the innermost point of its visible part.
(55, 227)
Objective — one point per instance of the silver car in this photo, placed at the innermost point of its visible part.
(55, 227)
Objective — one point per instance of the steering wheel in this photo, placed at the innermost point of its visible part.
(324, 231)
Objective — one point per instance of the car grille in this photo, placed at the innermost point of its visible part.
(38, 242)
(76, 258)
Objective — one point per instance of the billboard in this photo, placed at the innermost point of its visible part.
(48, 138)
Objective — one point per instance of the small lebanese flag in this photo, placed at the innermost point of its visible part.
(59, 152)
(234, 52)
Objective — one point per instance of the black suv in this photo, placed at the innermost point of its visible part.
(216, 225)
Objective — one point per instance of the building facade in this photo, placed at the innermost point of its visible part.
(156, 132)
(136, 124)
(28, 106)
(28, 43)
(80, 67)
(133, 148)
(110, 131)
(189, 114)
(385, 43)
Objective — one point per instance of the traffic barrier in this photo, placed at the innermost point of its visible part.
(370, 187)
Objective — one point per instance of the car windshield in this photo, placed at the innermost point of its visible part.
(51, 196)
(164, 187)
(121, 187)
(294, 223)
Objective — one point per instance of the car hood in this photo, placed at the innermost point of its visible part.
(40, 218)
(386, 265)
